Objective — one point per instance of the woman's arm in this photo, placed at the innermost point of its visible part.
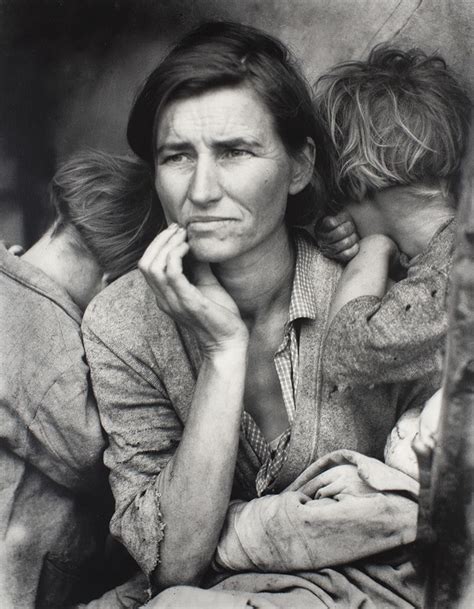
(189, 497)
(196, 483)
(363, 508)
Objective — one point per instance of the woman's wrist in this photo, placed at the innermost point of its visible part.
(233, 345)
(229, 350)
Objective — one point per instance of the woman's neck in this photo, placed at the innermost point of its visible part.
(260, 281)
(409, 219)
(58, 258)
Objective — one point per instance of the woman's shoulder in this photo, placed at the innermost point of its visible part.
(126, 307)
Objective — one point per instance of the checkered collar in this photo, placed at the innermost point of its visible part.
(303, 297)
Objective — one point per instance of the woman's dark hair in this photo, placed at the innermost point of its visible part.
(398, 118)
(219, 54)
(108, 205)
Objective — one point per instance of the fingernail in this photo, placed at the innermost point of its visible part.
(173, 226)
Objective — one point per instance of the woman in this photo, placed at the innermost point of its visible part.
(54, 500)
(217, 392)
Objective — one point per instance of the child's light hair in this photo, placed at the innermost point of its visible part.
(399, 118)
(108, 206)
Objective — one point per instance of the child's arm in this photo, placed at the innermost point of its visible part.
(367, 273)
(396, 337)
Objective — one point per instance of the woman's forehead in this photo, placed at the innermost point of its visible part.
(226, 112)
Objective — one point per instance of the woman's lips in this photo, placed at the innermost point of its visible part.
(207, 224)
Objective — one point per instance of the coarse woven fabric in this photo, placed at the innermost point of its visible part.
(54, 498)
(399, 337)
(51, 442)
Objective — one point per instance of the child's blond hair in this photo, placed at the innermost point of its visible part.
(399, 118)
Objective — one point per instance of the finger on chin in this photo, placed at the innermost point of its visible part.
(158, 244)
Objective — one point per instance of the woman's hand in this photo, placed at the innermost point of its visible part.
(203, 306)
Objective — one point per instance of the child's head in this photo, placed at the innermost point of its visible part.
(399, 118)
(106, 205)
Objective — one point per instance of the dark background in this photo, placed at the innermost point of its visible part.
(69, 69)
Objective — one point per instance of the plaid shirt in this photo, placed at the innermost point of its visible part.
(272, 456)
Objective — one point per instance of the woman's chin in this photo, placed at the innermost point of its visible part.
(211, 250)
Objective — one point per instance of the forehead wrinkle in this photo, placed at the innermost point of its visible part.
(196, 118)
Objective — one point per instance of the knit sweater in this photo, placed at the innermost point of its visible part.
(401, 336)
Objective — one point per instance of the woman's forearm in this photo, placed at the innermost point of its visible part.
(197, 482)
(372, 510)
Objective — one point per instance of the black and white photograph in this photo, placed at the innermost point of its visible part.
(236, 304)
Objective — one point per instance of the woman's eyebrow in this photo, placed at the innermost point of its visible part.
(233, 142)
(237, 142)
(173, 146)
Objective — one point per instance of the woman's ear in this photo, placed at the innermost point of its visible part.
(303, 167)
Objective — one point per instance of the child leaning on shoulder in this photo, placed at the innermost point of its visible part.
(399, 124)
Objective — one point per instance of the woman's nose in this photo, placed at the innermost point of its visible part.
(204, 187)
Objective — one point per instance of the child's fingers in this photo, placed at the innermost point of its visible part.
(343, 250)
(328, 223)
(348, 254)
(344, 244)
(311, 488)
(319, 481)
(330, 490)
(343, 231)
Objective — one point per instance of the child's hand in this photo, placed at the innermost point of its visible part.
(337, 480)
(337, 237)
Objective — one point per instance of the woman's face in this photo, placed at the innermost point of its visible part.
(223, 172)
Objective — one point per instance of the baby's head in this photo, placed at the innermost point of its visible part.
(400, 118)
(418, 423)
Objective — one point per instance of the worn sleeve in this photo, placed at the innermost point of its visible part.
(291, 531)
(66, 440)
(397, 338)
(143, 432)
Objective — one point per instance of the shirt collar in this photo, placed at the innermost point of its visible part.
(303, 299)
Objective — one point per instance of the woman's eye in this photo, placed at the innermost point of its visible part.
(236, 153)
(174, 159)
